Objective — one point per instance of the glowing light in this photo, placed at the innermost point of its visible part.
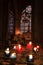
(13, 55)
(35, 49)
(37, 46)
(19, 48)
(18, 32)
(7, 51)
(29, 45)
(14, 47)
(30, 56)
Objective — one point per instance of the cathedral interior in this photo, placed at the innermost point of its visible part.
(21, 21)
(16, 7)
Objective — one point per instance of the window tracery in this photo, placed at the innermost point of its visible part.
(25, 22)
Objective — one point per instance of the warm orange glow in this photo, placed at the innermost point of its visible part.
(37, 46)
(18, 32)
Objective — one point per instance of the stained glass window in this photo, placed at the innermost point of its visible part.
(11, 23)
(25, 22)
